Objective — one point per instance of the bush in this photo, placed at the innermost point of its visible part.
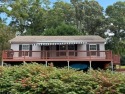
(38, 79)
(122, 60)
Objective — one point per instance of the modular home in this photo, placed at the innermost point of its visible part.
(70, 49)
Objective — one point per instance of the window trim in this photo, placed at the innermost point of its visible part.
(91, 45)
(25, 45)
(28, 53)
(93, 50)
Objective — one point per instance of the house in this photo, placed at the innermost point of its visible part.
(62, 50)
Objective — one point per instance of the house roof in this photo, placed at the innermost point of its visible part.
(38, 39)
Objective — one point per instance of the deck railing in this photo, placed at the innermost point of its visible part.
(56, 55)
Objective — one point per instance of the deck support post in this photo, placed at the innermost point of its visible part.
(68, 64)
(46, 63)
(24, 62)
(119, 66)
(2, 63)
(112, 66)
(90, 65)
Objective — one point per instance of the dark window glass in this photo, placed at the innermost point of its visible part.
(62, 47)
(71, 47)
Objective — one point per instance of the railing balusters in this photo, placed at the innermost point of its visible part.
(24, 54)
(71, 55)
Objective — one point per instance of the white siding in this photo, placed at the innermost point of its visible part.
(102, 48)
(80, 47)
(15, 47)
(36, 48)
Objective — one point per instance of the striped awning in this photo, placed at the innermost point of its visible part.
(58, 43)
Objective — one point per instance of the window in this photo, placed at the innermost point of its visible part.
(93, 49)
(61, 48)
(26, 49)
(71, 47)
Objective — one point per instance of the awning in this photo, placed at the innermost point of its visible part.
(57, 43)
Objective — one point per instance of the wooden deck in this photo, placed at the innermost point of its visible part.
(54, 55)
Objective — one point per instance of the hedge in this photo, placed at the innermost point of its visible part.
(38, 79)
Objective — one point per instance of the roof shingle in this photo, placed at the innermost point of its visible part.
(89, 38)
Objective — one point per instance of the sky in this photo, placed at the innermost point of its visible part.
(103, 3)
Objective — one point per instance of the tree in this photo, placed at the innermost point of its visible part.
(61, 12)
(27, 15)
(65, 10)
(78, 6)
(6, 34)
(93, 19)
(89, 16)
(116, 24)
(63, 29)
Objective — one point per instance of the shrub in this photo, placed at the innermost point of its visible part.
(38, 79)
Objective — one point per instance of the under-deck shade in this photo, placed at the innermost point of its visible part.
(58, 43)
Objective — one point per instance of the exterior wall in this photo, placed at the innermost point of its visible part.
(36, 48)
(53, 54)
(80, 47)
(101, 45)
(102, 48)
(15, 47)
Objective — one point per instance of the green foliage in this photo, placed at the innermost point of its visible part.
(27, 15)
(38, 17)
(89, 16)
(6, 33)
(116, 24)
(122, 60)
(38, 79)
(63, 29)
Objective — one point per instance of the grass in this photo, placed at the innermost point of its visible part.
(122, 67)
